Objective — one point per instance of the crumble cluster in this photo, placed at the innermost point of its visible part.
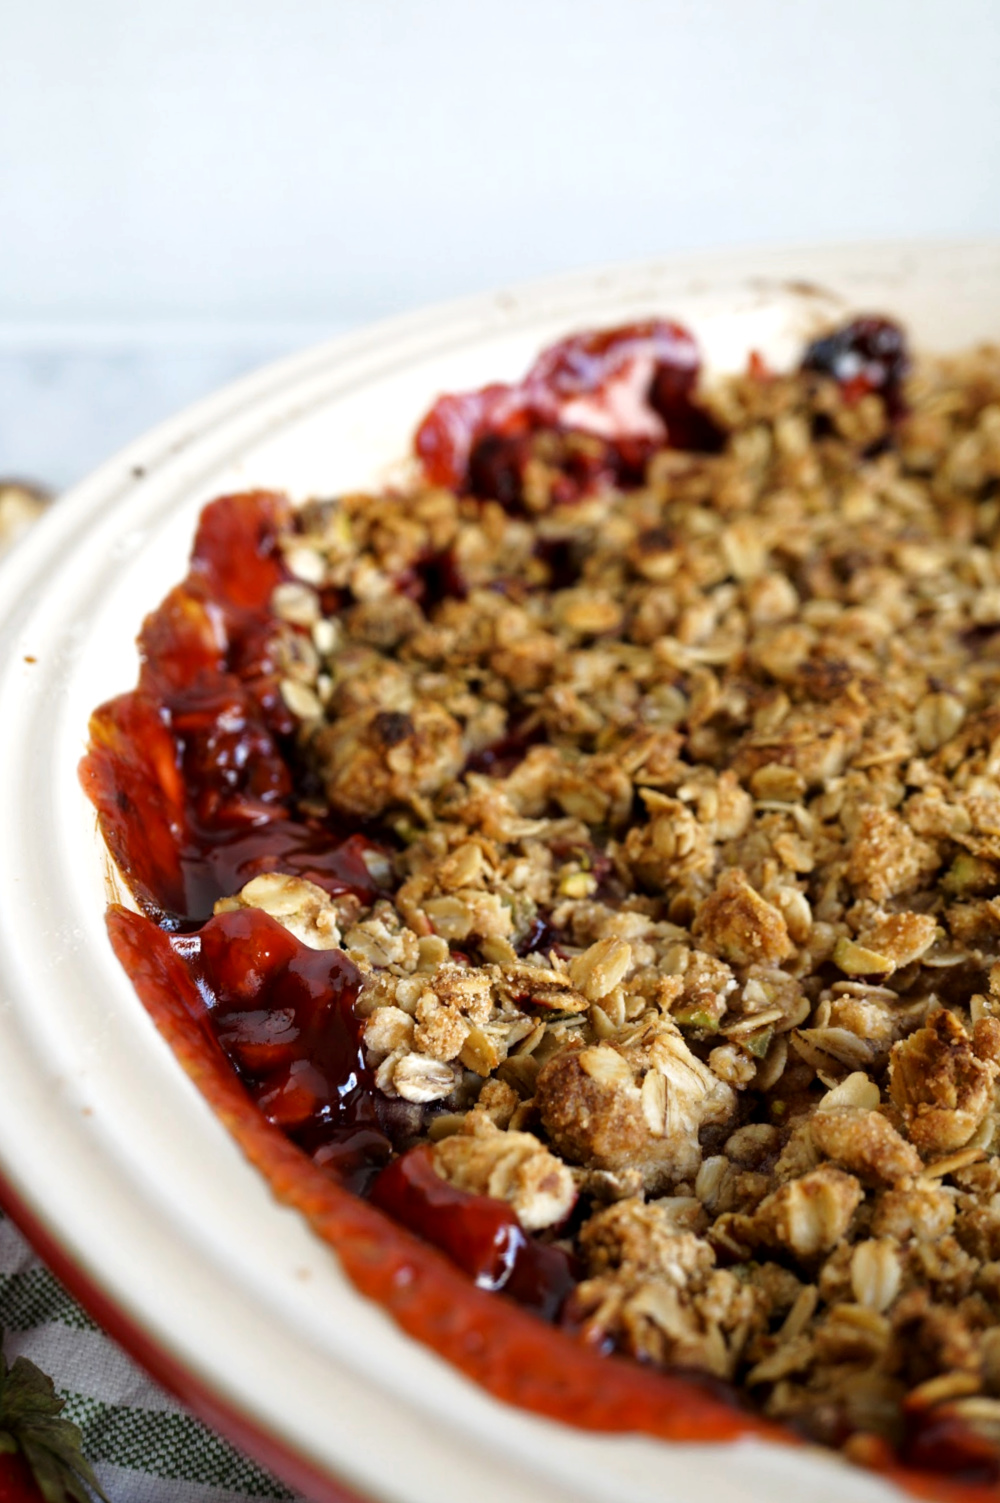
(690, 945)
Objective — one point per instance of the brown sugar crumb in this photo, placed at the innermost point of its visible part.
(654, 1289)
(375, 758)
(865, 1143)
(886, 858)
(738, 924)
(807, 1216)
(688, 938)
(511, 1166)
(940, 1085)
(641, 1102)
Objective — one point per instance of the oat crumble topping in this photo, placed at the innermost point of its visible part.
(686, 800)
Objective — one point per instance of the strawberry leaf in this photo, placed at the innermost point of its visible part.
(31, 1422)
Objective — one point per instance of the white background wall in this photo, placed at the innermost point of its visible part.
(255, 171)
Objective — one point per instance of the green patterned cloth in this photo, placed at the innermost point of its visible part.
(143, 1446)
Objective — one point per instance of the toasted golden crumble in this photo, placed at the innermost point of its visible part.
(690, 925)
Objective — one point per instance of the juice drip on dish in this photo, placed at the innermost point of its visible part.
(193, 777)
(193, 772)
(482, 1236)
(625, 391)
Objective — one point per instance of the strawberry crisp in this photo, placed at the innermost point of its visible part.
(590, 856)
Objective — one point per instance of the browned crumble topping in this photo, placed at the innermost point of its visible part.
(692, 932)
